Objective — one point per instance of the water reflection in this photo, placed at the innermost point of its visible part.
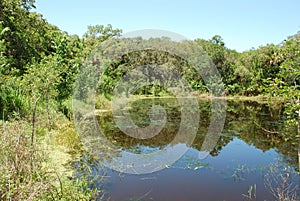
(254, 140)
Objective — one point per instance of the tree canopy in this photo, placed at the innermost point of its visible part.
(29, 45)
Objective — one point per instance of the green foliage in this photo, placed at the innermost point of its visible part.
(40, 79)
(97, 34)
(11, 99)
(39, 65)
(286, 81)
(27, 34)
(19, 182)
(101, 33)
(223, 58)
(67, 58)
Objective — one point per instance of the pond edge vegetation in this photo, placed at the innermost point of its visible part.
(38, 67)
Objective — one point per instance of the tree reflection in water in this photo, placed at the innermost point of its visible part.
(259, 125)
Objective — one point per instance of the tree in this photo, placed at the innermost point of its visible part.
(39, 84)
(28, 34)
(10, 99)
(223, 58)
(97, 34)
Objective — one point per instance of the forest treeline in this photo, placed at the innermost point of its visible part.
(39, 64)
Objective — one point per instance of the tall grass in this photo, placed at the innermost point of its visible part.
(19, 180)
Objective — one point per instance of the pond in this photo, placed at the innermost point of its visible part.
(252, 158)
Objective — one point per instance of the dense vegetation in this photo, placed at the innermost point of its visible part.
(38, 67)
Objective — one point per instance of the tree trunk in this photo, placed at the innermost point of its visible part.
(32, 133)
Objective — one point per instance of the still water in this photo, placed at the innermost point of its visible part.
(253, 158)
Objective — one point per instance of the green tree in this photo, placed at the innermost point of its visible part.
(97, 34)
(10, 98)
(286, 83)
(39, 85)
(223, 58)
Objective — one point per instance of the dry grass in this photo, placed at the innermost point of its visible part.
(279, 183)
(18, 180)
(48, 178)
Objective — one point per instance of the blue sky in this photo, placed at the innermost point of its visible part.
(243, 24)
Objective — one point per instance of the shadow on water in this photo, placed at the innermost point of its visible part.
(254, 149)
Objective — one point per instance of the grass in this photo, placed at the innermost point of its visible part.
(251, 196)
(280, 184)
(278, 181)
(49, 178)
